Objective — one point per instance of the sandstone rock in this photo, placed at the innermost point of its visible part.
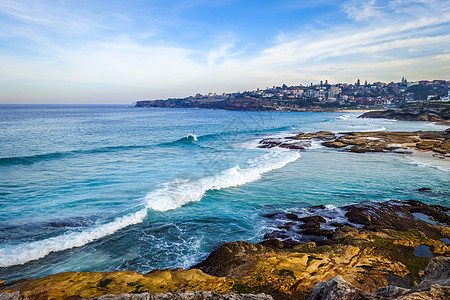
(336, 144)
(377, 252)
(437, 272)
(428, 145)
(337, 289)
(12, 296)
(435, 285)
(321, 135)
(418, 111)
(361, 142)
(273, 243)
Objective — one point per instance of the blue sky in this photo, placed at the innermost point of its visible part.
(87, 51)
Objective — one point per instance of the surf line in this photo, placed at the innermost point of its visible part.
(167, 197)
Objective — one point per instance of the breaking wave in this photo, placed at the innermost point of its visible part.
(169, 196)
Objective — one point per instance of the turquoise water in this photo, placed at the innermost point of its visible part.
(102, 188)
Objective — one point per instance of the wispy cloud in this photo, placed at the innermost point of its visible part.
(49, 52)
(361, 9)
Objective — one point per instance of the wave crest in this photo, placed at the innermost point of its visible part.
(171, 195)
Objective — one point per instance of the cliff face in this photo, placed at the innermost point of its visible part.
(418, 111)
(237, 103)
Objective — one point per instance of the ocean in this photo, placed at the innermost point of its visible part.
(105, 188)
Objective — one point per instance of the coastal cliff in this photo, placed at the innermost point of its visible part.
(242, 103)
(417, 111)
(377, 245)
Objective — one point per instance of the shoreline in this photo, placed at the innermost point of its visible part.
(362, 111)
(375, 246)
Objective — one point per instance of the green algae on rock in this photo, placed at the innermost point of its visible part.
(373, 249)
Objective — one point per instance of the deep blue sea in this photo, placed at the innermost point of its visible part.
(104, 188)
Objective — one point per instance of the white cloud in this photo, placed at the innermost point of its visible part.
(359, 10)
(124, 66)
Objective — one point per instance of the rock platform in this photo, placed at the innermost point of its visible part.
(437, 142)
(368, 245)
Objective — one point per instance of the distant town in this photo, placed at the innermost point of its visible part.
(320, 96)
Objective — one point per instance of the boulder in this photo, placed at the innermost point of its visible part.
(313, 219)
(338, 289)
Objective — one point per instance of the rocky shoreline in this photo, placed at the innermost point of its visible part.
(437, 142)
(368, 246)
(438, 112)
(368, 250)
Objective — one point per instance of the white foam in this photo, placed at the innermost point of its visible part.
(344, 117)
(375, 129)
(20, 254)
(178, 193)
(171, 195)
(430, 163)
(316, 145)
(192, 138)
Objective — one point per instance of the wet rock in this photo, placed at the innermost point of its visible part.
(291, 146)
(290, 243)
(367, 256)
(359, 216)
(285, 227)
(310, 225)
(318, 232)
(277, 234)
(396, 214)
(313, 219)
(336, 224)
(293, 217)
(424, 190)
(318, 207)
(270, 215)
(324, 242)
(273, 243)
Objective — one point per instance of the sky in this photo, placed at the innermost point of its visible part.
(111, 51)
